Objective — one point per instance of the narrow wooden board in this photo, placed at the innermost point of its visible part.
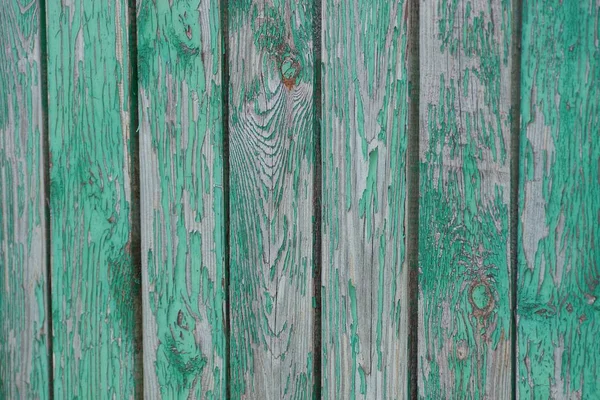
(364, 139)
(182, 218)
(558, 353)
(271, 122)
(94, 288)
(24, 358)
(464, 307)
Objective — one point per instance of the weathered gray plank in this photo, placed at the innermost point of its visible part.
(181, 155)
(271, 190)
(464, 251)
(24, 359)
(558, 316)
(364, 136)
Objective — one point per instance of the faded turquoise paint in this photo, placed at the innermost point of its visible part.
(271, 145)
(24, 358)
(558, 351)
(364, 139)
(181, 154)
(93, 283)
(464, 279)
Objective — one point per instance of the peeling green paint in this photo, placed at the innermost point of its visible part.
(464, 281)
(271, 161)
(181, 154)
(24, 347)
(364, 139)
(93, 282)
(464, 284)
(558, 351)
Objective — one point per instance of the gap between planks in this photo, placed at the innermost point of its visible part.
(515, 137)
(226, 208)
(412, 196)
(46, 188)
(317, 201)
(136, 227)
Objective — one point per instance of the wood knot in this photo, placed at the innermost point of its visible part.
(462, 350)
(180, 321)
(481, 298)
(290, 69)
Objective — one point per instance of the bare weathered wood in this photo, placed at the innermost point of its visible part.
(364, 136)
(558, 352)
(271, 122)
(181, 168)
(94, 285)
(464, 252)
(24, 358)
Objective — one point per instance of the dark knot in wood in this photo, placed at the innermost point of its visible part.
(290, 69)
(481, 298)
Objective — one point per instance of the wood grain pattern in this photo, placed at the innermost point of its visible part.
(464, 280)
(271, 190)
(558, 351)
(181, 154)
(364, 136)
(24, 358)
(94, 288)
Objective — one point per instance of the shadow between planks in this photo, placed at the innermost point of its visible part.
(299, 199)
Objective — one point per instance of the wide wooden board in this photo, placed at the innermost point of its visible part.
(271, 149)
(24, 314)
(182, 219)
(364, 140)
(558, 351)
(94, 285)
(464, 247)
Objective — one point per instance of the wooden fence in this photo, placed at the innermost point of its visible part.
(300, 199)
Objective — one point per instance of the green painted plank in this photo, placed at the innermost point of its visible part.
(464, 306)
(271, 122)
(181, 154)
(94, 286)
(558, 352)
(24, 358)
(364, 139)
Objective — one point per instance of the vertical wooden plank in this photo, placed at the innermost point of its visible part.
(24, 359)
(464, 247)
(181, 154)
(271, 124)
(558, 352)
(93, 283)
(364, 136)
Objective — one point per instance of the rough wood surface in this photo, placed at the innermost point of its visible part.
(271, 120)
(179, 47)
(558, 352)
(464, 280)
(24, 358)
(364, 138)
(94, 288)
